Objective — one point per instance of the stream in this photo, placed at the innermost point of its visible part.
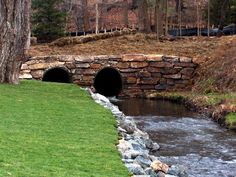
(185, 137)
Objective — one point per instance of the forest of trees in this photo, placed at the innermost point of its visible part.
(147, 16)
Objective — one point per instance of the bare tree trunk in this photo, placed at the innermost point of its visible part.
(68, 10)
(158, 19)
(125, 13)
(161, 17)
(85, 13)
(180, 17)
(103, 14)
(208, 18)
(171, 21)
(166, 17)
(97, 18)
(28, 42)
(14, 32)
(143, 18)
(222, 13)
(198, 20)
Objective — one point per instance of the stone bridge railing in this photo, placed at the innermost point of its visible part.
(129, 75)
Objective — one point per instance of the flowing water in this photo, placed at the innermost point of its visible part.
(186, 138)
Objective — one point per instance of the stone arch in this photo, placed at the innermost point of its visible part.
(57, 74)
(108, 82)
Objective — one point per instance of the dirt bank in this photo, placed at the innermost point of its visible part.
(217, 72)
(138, 43)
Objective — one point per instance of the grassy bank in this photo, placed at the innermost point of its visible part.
(221, 106)
(231, 119)
(55, 130)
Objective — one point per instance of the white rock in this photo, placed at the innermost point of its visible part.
(155, 147)
(100, 98)
(24, 66)
(128, 160)
(134, 153)
(153, 158)
(25, 76)
(124, 146)
(143, 161)
(128, 125)
(140, 133)
(135, 169)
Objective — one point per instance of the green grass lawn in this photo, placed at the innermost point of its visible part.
(55, 130)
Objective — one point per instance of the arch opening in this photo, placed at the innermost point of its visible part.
(57, 75)
(108, 82)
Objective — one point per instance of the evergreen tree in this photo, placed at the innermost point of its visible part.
(48, 20)
(232, 11)
(222, 12)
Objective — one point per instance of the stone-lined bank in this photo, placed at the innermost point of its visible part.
(135, 147)
(140, 75)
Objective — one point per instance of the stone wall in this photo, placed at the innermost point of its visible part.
(141, 74)
(90, 37)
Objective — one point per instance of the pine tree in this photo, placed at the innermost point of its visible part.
(223, 12)
(48, 20)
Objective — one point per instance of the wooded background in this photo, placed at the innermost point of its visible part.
(94, 16)
(85, 15)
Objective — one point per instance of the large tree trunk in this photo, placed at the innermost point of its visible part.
(14, 30)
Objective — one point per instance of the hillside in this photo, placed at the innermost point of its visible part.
(217, 72)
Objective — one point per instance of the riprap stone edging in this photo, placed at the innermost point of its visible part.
(141, 74)
(135, 146)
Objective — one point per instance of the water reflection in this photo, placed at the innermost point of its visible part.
(144, 107)
(185, 137)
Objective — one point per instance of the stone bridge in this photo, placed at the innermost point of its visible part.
(125, 75)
